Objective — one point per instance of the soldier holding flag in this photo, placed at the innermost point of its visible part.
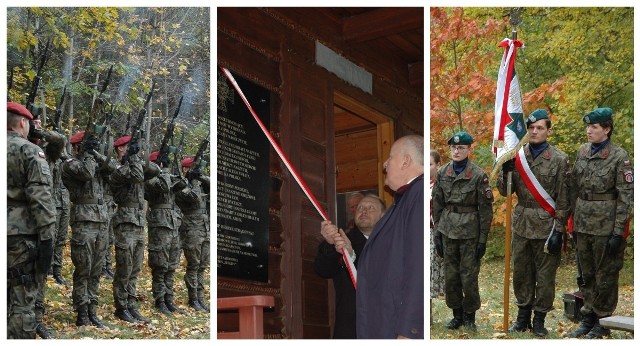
(540, 182)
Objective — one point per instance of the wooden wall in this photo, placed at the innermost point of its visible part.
(272, 48)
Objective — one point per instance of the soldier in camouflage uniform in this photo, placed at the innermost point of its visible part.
(163, 224)
(194, 233)
(601, 195)
(89, 218)
(53, 144)
(128, 228)
(537, 235)
(63, 205)
(462, 213)
(31, 216)
(111, 207)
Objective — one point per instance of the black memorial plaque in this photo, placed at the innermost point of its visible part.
(243, 182)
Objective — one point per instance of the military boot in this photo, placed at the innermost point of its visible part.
(598, 331)
(42, 331)
(57, 275)
(588, 321)
(123, 314)
(168, 300)
(538, 324)
(456, 322)
(136, 314)
(195, 304)
(162, 307)
(93, 316)
(469, 320)
(83, 317)
(523, 321)
(202, 303)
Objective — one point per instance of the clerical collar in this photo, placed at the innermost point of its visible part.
(596, 147)
(459, 166)
(537, 149)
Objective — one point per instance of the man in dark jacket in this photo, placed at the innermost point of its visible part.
(390, 294)
(330, 264)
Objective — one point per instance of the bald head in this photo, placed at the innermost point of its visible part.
(405, 162)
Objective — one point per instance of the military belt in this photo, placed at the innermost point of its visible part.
(131, 205)
(161, 206)
(529, 204)
(598, 196)
(194, 212)
(89, 201)
(461, 209)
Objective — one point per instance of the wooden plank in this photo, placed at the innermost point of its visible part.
(618, 322)
(382, 22)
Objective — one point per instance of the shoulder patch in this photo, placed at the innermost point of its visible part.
(41, 154)
(485, 180)
(44, 170)
(627, 163)
(488, 193)
(628, 176)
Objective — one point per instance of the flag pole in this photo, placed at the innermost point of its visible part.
(514, 20)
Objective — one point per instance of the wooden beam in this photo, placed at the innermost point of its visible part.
(381, 22)
(416, 74)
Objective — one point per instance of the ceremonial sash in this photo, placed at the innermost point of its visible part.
(533, 185)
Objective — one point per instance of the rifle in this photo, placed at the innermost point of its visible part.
(55, 125)
(177, 170)
(31, 98)
(10, 84)
(96, 108)
(163, 155)
(198, 162)
(136, 131)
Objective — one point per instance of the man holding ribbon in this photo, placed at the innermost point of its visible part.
(540, 182)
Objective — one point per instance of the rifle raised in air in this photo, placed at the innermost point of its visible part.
(165, 148)
(137, 131)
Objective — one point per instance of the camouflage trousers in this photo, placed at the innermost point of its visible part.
(129, 244)
(600, 273)
(108, 263)
(21, 287)
(534, 273)
(195, 244)
(88, 244)
(164, 257)
(461, 271)
(62, 228)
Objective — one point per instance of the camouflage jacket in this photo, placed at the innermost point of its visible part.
(462, 204)
(84, 182)
(110, 167)
(31, 209)
(159, 192)
(60, 192)
(128, 192)
(192, 203)
(601, 190)
(552, 168)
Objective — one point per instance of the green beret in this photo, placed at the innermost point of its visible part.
(598, 115)
(461, 138)
(536, 115)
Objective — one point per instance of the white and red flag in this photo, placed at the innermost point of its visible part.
(509, 131)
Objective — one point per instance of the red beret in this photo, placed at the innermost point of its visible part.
(77, 138)
(122, 141)
(187, 162)
(154, 155)
(19, 109)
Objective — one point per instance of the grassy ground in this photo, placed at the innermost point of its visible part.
(60, 317)
(489, 318)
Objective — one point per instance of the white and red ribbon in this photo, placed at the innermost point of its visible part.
(532, 183)
(345, 256)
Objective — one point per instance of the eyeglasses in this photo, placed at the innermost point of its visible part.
(458, 148)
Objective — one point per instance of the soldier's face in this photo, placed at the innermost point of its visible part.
(122, 149)
(538, 132)
(596, 133)
(23, 128)
(459, 152)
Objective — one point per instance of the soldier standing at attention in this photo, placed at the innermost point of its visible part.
(31, 216)
(194, 233)
(128, 228)
(164, 241)
(89, 218)
(462, 213)
(601, 194)
(537, 232)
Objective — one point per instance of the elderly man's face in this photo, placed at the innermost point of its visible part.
(393, 167)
